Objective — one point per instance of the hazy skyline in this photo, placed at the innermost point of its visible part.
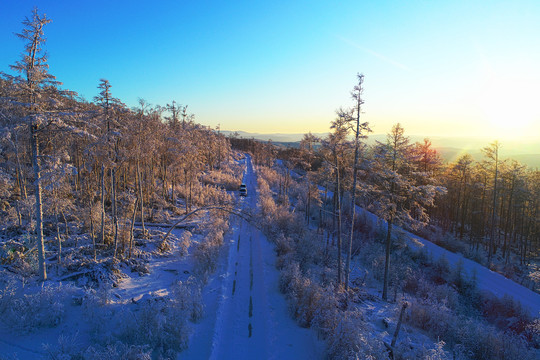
(459, 68)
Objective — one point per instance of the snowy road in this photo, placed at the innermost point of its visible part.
(251, 319)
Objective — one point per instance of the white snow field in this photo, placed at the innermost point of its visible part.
(249, 319)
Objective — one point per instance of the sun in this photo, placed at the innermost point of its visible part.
(509, 108)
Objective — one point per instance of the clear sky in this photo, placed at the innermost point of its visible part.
(438, 67)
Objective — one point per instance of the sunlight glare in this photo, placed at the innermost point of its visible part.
(509, 109)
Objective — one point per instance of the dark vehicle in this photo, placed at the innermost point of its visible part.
(243, 190)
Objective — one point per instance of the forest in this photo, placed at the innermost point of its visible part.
(89, 188)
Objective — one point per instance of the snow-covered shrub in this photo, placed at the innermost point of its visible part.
(431, 316)
(441, 270)
(116, 351)
(309, 250)
(405, 351)
(276, 219)
(29, 312)
(20, 255)
(165, 245)
(207, 250)
(436, 353)
(96, 312)
(140, 266)
(484, 342)
(327, 315)
(203, 195)
(187, 297)
(8, 292)
(288, 276)
(475, 338)
(310, 304)
(505, 312)
(158, 323)
(67, 349)
(284, 245)
(532, 333)
(184, 242)
(205, 256)
(229, 179)
(353, 340)
(271, 176)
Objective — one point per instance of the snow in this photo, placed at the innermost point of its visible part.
(487, 280)
(249, 298)
(246, 263)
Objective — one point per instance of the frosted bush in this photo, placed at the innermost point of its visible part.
(159, 324)
(184, 242)
(326, 316)
(187, 297)
(207, 250)
(65, 350)
(117, 351)
(431, 316)
(271, 176)
(96, 312)
(284, 245)
(205, 256)
(229, 179)
(309, 250)
(475, 338)
(30, 312)
(353, 340)
(8, 292)
(437, 353)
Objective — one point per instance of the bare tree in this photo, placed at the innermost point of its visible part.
(359, 131)
(492, 154)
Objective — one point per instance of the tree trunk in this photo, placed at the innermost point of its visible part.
(353, 206)
(102, 204)
(131, 228)
(59, 254)
(141, 196)
(92, 234)
(19, 217)
(114, 212)
(338, 205)
(387, 260)
(494, 209)
(39, 206)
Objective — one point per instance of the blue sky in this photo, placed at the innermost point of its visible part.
(438, 67)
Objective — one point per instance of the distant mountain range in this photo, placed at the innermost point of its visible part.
(526, 150)
(277, 137)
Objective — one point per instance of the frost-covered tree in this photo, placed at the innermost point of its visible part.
(307, 154)
(334, 149)
(400, 197)
(34, 78)
(49, 113)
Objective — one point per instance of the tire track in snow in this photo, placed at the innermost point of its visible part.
(253, 322)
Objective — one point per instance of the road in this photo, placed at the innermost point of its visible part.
(251, 319)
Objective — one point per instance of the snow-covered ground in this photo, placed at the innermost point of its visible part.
(164, 271)
(486, 279)
(247, 317)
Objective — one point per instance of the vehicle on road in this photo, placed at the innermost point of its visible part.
(243, 190)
